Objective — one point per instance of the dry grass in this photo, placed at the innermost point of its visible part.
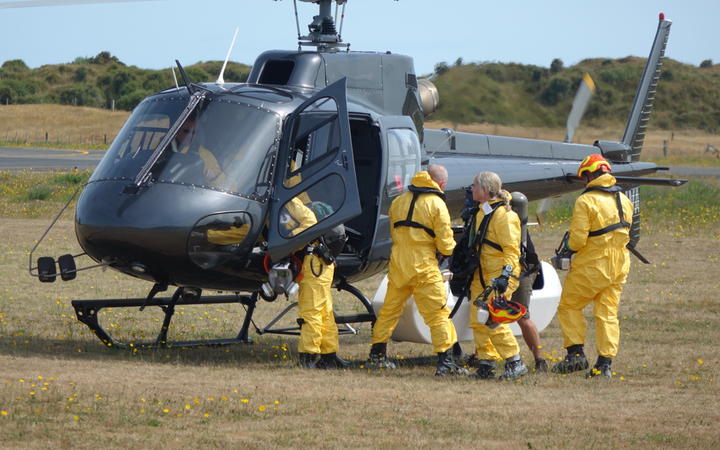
(63, 124)
(59, 387)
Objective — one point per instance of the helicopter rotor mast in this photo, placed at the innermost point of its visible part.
(322, 31)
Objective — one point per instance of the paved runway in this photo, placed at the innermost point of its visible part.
(46, 159)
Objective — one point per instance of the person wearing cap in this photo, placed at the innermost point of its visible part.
(598, 237)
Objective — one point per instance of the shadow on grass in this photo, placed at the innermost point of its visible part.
(270, 350)
(265, 351)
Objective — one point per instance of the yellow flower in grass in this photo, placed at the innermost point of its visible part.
(245, 400)
(700, 361)
(3, 413)
(261, 408)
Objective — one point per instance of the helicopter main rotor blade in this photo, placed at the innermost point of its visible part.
(582, 98)
(37, 3)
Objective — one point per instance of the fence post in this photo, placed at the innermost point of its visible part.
(665, 148)
(46, 136)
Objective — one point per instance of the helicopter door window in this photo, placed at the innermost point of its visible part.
(403, 160)
(312, 206)
(315, 138)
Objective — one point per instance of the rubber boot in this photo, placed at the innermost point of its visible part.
(459, 356)
(486, 369)
(601, 368)
(541, 365)
(574, 360)
(331, 361)
(378, 358)
(514, 368)
(308, 360)
(447, 367)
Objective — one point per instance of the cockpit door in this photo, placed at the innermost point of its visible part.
(315, 185)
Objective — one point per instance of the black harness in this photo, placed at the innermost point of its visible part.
(622, 223)
(408, 222)
(480, 238)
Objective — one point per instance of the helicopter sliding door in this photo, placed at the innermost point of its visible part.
(315, 186)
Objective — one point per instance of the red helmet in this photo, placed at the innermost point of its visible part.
(503, 310)
(593, 163)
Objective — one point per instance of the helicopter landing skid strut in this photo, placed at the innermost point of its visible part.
(343, 321)
(87, 312)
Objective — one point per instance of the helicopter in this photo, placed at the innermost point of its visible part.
(197, 189)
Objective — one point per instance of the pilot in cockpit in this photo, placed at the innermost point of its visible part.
(188, 140)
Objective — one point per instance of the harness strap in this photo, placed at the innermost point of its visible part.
(408, 222)
(480, 237)
(492, 244)
(615, 189)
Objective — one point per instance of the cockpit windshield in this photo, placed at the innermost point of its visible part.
(223, 145)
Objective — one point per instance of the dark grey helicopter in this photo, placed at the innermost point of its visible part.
(201, 187)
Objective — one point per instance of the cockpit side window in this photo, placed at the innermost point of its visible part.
(139, 138)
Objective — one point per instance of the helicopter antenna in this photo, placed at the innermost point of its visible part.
(220, 79)
(342, 19)
(185, 78)
(172, 69)
(297, 20)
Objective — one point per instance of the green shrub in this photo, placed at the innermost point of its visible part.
(41, 192)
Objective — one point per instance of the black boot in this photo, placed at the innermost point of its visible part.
(514, 368)
(459, 356)
(574, 360)
(602, 368)
(486, 369)
(541, 365)
(332, 361)
(308, 360)
(446, 366)
(378, 358)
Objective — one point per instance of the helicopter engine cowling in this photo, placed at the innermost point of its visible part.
(429, 96)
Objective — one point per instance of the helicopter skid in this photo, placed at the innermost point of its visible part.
(87, 311)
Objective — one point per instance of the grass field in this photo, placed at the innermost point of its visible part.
(61, 388)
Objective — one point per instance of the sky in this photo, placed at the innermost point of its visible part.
(152, 34)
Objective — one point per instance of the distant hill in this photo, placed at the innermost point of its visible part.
(517, 94)
(98, 80)
(498, 93)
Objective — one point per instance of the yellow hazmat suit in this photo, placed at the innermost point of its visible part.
(319, 333)
(599, 268)
(414, 268)
(503, 230)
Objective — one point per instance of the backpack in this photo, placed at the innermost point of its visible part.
(465, 258)
(333, 241)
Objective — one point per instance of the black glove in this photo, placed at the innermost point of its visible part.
(501, 284)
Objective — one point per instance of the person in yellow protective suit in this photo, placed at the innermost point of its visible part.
(598, 235)
(182, 143)
(498, 248)
(319, 342)
(420, 227)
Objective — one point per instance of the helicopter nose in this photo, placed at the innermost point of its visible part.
(166, 233)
